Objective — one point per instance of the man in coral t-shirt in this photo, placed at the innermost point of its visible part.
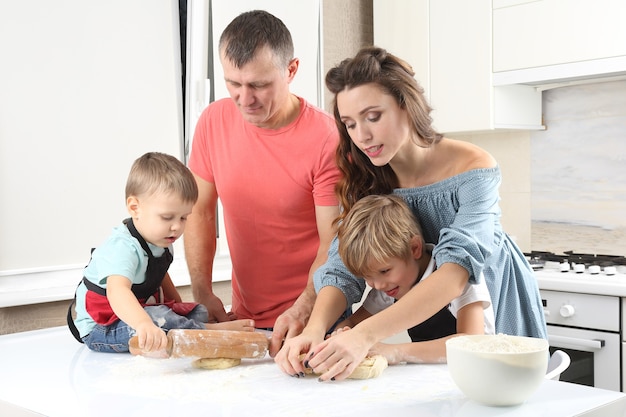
(269, 156)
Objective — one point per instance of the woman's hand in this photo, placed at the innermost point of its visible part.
(337, 357)
(389, 350)
(289, 358)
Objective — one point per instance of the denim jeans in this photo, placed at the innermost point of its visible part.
(114, 338)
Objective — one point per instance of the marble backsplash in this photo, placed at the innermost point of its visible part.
(578, 178)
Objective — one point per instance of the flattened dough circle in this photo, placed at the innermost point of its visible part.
(215, 363)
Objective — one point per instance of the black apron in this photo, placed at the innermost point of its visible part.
(155, 273)
(440, 325)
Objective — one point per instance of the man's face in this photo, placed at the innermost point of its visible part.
(259, 89)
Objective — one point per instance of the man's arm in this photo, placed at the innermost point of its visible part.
(200, 242)
(293, 320)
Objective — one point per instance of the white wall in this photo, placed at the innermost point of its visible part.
(512, 151)
(86, 87)
(93, 86)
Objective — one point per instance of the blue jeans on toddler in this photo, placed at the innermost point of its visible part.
(114, 338)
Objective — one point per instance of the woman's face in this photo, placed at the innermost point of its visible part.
(375, 122)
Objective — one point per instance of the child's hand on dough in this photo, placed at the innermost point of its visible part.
(338, 330)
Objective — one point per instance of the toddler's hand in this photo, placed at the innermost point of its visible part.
(243, 325)
(151, 337)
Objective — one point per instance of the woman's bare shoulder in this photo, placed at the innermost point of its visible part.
(468, 156)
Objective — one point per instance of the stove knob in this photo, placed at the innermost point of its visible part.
(567, 310)
(564, 266)
(610, 270)
(594, 269)
(579, 268)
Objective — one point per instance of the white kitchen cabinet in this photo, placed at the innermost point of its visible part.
(556, 41)
(401, 27)
(449, 44)
(549, 32)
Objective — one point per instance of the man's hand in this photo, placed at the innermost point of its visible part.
(217, 313)
(288, 325)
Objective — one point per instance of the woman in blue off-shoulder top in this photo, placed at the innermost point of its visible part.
(389, 146)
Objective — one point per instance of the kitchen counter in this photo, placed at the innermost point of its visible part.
(47, 373)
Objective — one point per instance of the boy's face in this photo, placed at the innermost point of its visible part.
(395, 277)
(159, 218)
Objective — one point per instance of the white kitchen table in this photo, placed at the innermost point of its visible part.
(47, 373)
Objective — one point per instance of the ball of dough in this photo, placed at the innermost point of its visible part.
(215, 363)
(371, 367)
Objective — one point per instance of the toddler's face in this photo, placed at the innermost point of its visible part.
(160, 218)
(395, 277)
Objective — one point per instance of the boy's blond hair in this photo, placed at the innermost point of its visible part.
(156, 172)
(377, 228)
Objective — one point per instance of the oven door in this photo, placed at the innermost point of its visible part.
(595, 355)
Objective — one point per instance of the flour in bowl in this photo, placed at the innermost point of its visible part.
(500, 343)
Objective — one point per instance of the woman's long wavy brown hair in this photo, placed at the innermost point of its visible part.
(373, 65)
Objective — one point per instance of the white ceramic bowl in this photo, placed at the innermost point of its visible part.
(497, 370)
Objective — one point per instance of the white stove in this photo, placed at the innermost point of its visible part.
(583, 299)
(580, 273)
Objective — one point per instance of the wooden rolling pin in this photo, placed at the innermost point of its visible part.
(208, 344)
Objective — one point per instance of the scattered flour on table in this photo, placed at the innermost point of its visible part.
(261, 383)
(171, 378)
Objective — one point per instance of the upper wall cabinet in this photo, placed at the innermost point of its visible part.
(402, 27)
(543, 41)
(448, 43)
